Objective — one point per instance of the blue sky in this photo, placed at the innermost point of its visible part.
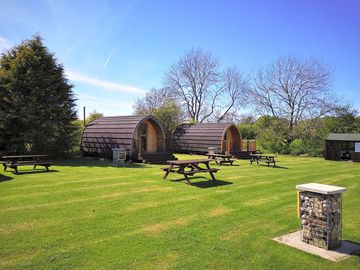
(114, 51)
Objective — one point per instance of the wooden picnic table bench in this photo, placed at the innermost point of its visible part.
(15, 161)
(261, 157)
(192, 166)
(220, 158)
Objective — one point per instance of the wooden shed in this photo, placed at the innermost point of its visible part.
(142, 137)
(339, 146)
(197, 138)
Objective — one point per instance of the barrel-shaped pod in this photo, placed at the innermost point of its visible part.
(198, 138)
(136, 134)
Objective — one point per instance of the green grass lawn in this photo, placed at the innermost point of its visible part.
(86, 214)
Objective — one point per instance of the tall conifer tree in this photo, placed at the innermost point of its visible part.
(37, 102)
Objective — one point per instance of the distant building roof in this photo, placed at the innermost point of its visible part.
(343, 137)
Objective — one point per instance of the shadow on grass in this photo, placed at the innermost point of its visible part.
(226, 165)
(211, 183)
(4, 178)
(96, 162)
(275, 167)
(204, 184)
(20, 172)
(355, 250)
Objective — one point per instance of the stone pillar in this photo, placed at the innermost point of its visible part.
(119, 156)
(320, 209)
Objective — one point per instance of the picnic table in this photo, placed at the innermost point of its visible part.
(24, 160)
(261, 157)
(189, 168)
(220, 158)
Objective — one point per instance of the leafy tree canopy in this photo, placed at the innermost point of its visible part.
(161, 104)
(93, 116)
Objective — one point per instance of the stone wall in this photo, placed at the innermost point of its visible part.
(320, 218)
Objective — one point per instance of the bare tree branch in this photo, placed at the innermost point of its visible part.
(294, 89)
(207, 93)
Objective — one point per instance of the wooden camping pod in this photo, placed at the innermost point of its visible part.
(136, 134)
(197, 138)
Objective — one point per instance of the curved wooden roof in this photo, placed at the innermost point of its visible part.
(196, 138)
(103, 134)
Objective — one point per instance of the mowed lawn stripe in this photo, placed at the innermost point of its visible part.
(82, 217)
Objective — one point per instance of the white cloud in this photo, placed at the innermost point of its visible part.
(107, 106)
(4, 44)
(110, 86)
(107, 62)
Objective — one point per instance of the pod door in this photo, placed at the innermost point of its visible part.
(231, 140)
(150, 137)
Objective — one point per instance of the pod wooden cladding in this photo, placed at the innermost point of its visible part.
(197, 138)
(137, 134)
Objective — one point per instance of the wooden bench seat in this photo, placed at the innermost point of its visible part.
(175, 170)
(167, 169)
(26, 163)
(263, 158)
(200, 171)
(231, 161)
(189, 168)
(29, 163)
(268, 162)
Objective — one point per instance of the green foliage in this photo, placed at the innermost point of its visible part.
(269, 140)
(37, 103)
(161, 104)
(344, 121)
(308, 136)
(297, 147)
(248, 131)
(78, 129)
(169, 115)
(312, 134)
(93, 116)
(271, 134)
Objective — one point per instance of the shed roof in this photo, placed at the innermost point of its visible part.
(343, 137)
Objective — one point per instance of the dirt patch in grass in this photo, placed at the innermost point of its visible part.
(260, 201)
(144, 205)
(157, 173)
(222, 191)
(242, 231)
(236, 177)
(334, 179)
(77, 200)
(157, 228)
(140, 190)
(166, 261)
(235, 233)
(57, 203)
(152, 204)
(68, 182)
(15, 228)
(16, 259)
(218, 212)
(45, 193)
